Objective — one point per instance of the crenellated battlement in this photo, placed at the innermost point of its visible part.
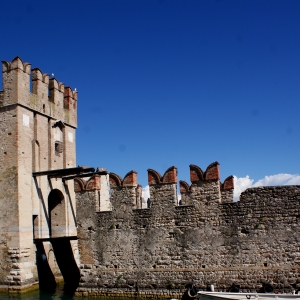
(127, 245)
(130, 179)
(126, 189)
(170, 176)
(212, 172)
(207, 235)
(92, 184)
(16, 64)
(205, 187)
(48, 96)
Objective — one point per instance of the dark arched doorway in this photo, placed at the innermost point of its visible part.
(60, 242)
(57, 214)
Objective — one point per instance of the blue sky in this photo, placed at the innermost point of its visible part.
(165, 83)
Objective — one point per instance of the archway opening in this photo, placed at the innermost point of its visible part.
(57, 214)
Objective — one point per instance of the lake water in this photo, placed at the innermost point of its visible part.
(57, 295)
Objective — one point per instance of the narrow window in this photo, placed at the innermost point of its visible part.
(58, 148)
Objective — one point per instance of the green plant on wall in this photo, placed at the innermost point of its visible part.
(170, 285)
(118, 280)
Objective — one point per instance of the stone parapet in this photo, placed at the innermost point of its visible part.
(48, 96)
(208, 239)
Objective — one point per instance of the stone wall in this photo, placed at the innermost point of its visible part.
(32, 124)
(157, 251)
(123, 249)
(61, 103)
(8, 191)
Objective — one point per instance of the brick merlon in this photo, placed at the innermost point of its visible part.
(114, 180)
(53, 84)
(184, 187)
(228, 183)
(93, 183)
(16, 63)
(79, 184)
(130, 178)
(170, 175)
(38, 75)
(213, 171)
(153, 177)
(196, 173)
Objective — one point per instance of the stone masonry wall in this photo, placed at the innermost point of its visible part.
(123, 249)
(157, 251)
(37, 132)
(249, 242)
(8, 191)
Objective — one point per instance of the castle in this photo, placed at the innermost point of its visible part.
(90, 227)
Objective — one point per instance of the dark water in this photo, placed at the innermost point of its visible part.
(57, 295)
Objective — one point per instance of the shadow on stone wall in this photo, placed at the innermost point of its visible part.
(67, 264)
(46, 278)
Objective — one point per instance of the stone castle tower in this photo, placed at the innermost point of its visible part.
(38, 120)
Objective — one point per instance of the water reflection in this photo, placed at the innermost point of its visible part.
(59, 294)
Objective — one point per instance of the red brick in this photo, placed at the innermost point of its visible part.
(213, 171)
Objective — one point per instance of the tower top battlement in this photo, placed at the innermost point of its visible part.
(48, 96)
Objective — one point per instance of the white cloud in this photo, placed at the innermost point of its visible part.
(242, 183)
(279, 179)
(146, 192)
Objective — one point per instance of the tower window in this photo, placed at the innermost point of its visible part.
(58, 148)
